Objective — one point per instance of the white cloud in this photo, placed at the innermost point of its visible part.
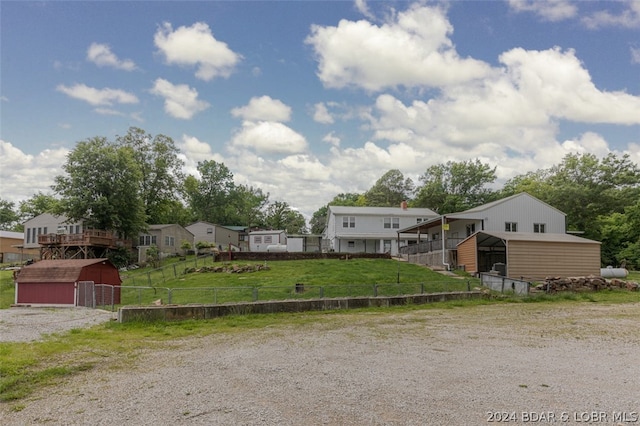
(196, 46)
(263, 108)
(549, 10)
(24, 175)
(411, 49)
(363, 8)
(95, 96)
(180, 101)
(101, 55)
(108, 111)
(635, 55)
(331, 139)
(628, 18)
(269, 137)
(321, 114)
(557, 82)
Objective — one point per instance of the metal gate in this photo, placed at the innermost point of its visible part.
(86, 295)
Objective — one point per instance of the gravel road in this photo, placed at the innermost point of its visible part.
(568, 363)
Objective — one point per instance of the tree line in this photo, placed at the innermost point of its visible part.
(136, 180)
(601, 197)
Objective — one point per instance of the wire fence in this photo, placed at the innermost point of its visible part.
(149, 295)
(165, 273)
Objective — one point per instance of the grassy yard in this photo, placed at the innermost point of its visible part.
(314, 278)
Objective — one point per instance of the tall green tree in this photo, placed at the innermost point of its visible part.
(281, 216)
(38, 204)
(319, 220)
(390, 190)
(8, 216)
(247, 206)
(456, 186)
(210, 195)
(101, 187)
(161, 172)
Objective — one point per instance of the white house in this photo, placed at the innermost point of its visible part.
(372, 229)
(261, 240)
(520, 213)
(46, 223)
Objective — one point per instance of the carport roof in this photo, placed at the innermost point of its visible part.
(488, 239)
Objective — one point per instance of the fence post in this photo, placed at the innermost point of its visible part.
(421, 288)
(502, 291)
(375, 290)
(149, 278)
(255, 294)
(215, 296)
(175, 273)
(468, 285)
(321, 292)
(169, 296)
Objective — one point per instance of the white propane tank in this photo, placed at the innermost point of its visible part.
(611, 272)
(277, 248)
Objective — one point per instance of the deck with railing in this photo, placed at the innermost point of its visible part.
(430, 246)
(90, 237)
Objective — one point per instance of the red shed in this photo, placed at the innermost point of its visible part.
(55, 282)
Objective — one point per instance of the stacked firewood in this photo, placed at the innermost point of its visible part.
(588, 283)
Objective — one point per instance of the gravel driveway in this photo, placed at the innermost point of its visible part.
(569, 363)
(29, 324)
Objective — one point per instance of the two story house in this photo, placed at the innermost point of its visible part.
(478, 239)
(372, 229)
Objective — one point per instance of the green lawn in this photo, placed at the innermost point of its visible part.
(315, 278)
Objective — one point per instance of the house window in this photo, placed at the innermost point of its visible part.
(28, 235)
(209, 230)
(348, 221)
(539, 228)
(257, 239)
(268, 239)
(387, 246)
(147, 240)
(169, 241)
(435, 236)
(419, 220)
(511, 227)
(45, 230)
(351, 244)
(471, 228)
(77, 229)
(391, 222)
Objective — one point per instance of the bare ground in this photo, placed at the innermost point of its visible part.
(474, 365)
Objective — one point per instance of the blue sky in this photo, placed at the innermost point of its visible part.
(308, 99)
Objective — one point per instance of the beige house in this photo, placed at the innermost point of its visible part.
(216, 235)
(168, 238)
(12, 248)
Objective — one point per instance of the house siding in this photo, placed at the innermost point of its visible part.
(368, 235)
(47, 224)
(468, 255)
(537, 260)
(219, 235)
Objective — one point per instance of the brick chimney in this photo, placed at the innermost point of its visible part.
(403, 205)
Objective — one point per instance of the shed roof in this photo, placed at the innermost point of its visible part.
(63, 270)
(485, 238)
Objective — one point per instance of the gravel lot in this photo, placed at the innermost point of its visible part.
(573, 362)
(29, 324)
